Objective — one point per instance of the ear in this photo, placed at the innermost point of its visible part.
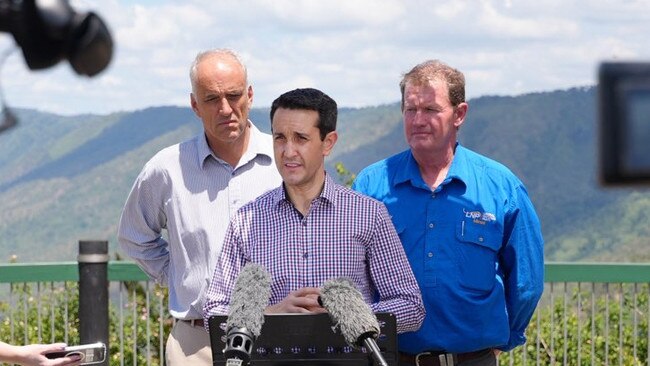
(194, 105)
(460, 113)
(329, 142)
(250, 95)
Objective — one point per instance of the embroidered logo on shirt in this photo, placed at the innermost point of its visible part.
(479, 217)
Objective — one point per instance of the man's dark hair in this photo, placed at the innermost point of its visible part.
(313, 100)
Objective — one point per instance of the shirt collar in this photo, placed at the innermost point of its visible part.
(409, 170)
(459, 169)
(329, 189)
(259, 144)
(203, 149)
(328, 194)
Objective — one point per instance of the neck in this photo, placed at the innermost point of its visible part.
(302, 196)
(434, 166)
(231, 152)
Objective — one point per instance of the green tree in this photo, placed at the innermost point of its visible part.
(345, 176)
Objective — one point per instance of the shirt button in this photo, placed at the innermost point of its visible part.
(431, 225)
(304, 256)
(433, 195)
(430, 254)
(480, 238)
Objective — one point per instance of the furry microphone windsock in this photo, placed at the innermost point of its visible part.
(246, 314)
(353, 316)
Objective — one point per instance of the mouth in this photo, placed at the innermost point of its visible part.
(291, 165)
(228, 122)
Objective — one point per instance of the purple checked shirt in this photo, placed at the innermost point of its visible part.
(345, 234)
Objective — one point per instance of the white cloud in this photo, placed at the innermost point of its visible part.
(354, 50)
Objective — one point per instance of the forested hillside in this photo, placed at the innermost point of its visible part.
(63, 179)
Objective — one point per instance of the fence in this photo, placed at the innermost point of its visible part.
(590, 314)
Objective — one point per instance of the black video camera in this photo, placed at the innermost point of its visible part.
(624, 111)
(49, 31)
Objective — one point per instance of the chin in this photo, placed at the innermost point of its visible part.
(291, 180)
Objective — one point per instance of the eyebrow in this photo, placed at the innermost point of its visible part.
(211, 93)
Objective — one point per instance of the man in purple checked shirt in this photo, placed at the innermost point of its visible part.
(311, 229)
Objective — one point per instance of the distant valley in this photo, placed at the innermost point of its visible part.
(64, 179)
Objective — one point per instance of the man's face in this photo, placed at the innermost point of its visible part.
(430, 121)
(298, 149)
(221, 99)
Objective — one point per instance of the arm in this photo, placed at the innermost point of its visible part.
(141, 224)
(522, 264)
(34, 355)
(393, 278)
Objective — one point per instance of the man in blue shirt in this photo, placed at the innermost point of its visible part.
(467, 225)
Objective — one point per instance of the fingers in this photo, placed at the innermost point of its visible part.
(303, 300)
(43, 349)
(47, 348)
(306, 291)
(65, 361)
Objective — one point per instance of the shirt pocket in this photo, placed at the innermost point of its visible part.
(476, 249)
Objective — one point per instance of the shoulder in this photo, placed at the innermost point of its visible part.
(376, 177)
(382, 169)
(170, 158)
(384, 166)
(169, 155)
(352, 199)
(261, 205)
(493, 178)
(490, 167)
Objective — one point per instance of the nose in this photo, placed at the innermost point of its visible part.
(224, 108)
(419, 118)
(289, 150)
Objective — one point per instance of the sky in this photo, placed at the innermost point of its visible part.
(353, 50)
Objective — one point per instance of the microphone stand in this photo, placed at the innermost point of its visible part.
(371, 345)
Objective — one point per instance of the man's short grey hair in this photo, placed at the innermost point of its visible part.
(223, 52)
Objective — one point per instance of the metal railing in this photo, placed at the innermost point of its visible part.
(590, 313)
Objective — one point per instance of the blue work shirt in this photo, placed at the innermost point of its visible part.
(475, 247)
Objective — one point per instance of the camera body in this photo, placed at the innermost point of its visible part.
(624, 113)
(90, 353)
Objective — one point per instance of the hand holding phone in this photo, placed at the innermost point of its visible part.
(90, 353)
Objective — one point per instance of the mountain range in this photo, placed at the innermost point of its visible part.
(65, 178)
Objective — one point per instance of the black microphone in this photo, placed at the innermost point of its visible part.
(353, 316)
(246, 313)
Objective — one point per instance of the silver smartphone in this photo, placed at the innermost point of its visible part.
(90, 353)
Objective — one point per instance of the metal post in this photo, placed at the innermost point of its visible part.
(93, 293)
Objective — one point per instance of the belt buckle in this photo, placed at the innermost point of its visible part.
(445, 359)
(417, 357)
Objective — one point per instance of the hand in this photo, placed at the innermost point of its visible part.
(304, 300)
(34, 355)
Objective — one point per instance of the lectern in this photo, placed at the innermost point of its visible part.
(306, 339)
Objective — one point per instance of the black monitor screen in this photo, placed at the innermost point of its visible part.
(624, 105)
